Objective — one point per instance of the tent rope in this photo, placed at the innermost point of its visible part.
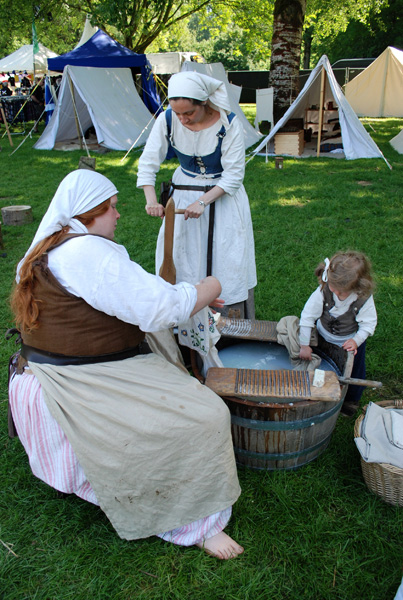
(22, 107)
(81, 132)
(144, 129)
(29, 134)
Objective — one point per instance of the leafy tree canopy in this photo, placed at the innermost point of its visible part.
(235, 32)
(366, 39)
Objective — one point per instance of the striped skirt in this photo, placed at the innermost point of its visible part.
(52, 459)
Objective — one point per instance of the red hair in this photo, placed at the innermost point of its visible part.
(25, 306)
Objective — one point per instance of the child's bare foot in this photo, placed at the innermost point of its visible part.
(221, 546)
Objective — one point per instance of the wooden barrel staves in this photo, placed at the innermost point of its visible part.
(279, 419)
(274, 435)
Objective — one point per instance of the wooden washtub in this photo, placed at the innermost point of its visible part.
(279, 419)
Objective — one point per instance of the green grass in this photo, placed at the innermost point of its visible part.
(316, 533)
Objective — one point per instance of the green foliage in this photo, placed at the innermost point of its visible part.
(236, 36)
(330, 20)
(139, 23)
(234, 32)
(383, 28)
(58, 27)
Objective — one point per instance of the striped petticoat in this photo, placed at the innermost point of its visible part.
(53, 460)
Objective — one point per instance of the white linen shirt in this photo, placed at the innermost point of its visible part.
(313, 309)
(196, 143)
(101, 272)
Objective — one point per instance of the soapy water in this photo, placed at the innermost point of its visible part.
(263, 356)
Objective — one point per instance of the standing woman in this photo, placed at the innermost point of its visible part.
(207, 138)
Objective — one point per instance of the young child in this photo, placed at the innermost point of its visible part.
(343, 310)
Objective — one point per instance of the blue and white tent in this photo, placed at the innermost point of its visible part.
(105, 99)
(102, 51)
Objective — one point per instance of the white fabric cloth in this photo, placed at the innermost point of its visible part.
(101, 272)
(393, 421)
(375, 443)
(79, 192)
(264, 106)
(313, 309)
(399, 593)
(153, 442)
(233, 243)
(199, 87)
(288, 335)
(201, 334)
(53, 460)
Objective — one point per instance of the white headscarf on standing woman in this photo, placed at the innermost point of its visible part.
(79, 192)
(189, 84)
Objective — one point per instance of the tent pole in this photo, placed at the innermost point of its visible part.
(321, 103)
(3, 116)
(385, 73)
(75, 112)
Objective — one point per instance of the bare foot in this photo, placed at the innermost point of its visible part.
(221, 546)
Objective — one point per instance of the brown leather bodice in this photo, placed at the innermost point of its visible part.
(342, 325)
(70, 326)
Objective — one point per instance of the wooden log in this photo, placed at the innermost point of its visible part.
(16, 215)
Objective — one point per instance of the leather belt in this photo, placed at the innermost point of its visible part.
(44, 357)
(193, 188)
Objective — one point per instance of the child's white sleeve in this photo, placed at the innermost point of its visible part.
(367, 320)
(310, 314)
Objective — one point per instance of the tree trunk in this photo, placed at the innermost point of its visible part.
(307, 37)
(286, 52)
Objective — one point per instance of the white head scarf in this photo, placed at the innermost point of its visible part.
(189, 84)
(80, 191)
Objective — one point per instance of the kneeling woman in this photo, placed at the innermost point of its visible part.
(130, 432)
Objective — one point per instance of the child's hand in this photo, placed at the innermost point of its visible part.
(217, 303)
(351, 346)
(305, 353)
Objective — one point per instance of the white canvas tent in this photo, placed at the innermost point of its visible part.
(378, 90)
(23, 59)
(397, 142)
(264, 106)
(163, 63)
(104, 98)
(88, 32)
(320, 89)
(217, 71)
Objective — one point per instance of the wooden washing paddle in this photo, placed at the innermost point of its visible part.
(167, 270)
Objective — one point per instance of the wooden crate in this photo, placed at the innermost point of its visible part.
(290, 142)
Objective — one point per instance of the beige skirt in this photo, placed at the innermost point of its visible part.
(154, 443)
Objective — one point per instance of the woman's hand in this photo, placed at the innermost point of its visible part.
(305, 353)
(208, 291)
(155, 210)
(351, 346)
(194, 211)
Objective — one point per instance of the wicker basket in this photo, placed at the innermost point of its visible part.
(384, 480)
